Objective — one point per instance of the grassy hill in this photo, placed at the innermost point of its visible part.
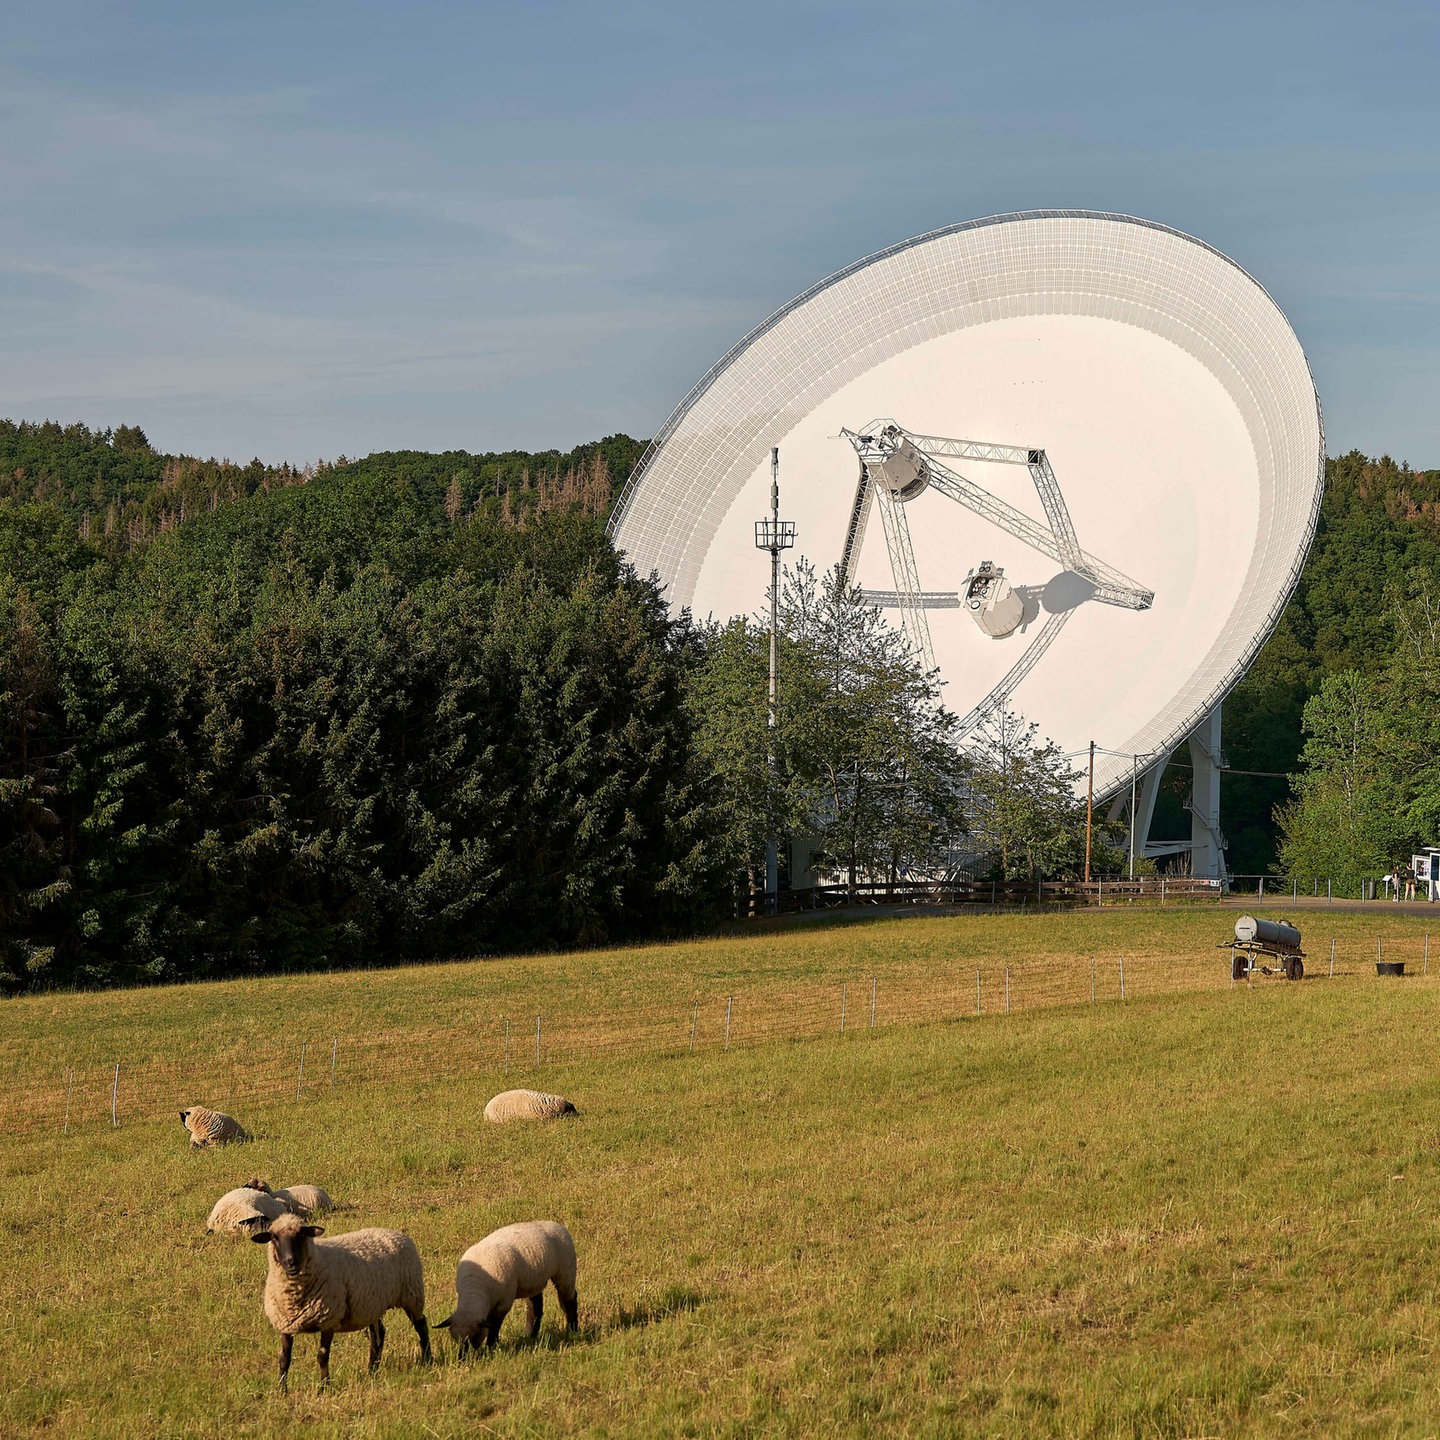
(1203, 1212)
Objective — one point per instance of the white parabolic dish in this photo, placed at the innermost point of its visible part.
(1166, 387)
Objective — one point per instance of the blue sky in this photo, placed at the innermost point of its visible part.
(300, 230)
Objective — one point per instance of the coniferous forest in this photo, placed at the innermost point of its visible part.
(257, 717)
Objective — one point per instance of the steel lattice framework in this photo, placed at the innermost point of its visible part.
(880, 441)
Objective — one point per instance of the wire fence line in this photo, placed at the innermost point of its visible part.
(520, 1049)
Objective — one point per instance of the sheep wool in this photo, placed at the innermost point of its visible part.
(513, 1263)
(341, 1284)
(244, 1209)
(527, 1105)
(210, 1127)
(304, 1199)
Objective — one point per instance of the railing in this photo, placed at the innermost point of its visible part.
(1057, 894)
(1008, 893)
(1283, 889)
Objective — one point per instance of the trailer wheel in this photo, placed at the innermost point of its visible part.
(1294, 968)
(1240, 966)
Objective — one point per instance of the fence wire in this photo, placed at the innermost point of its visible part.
(518, 1048)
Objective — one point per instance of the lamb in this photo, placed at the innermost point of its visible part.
(210, 1127)
(245, 1209)
(346, 1283)
(527, 1105)
(513, 1263)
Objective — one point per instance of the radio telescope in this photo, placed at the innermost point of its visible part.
(1097, 455)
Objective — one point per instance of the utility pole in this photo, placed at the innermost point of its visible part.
(1089, 810)
(774, 535)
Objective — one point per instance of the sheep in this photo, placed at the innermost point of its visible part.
(304, 1200)
(210, 1127)
(245, 1208)
(298, 1200)
(527, 1105)
(342, 1284)
(513, 1263)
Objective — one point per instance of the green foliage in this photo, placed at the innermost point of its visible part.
(330, 723)
(873, 747)
(866, 759)
(1025, 807)
(1344, 820)
(120, 493)
(1368, 792)
(1379, 526)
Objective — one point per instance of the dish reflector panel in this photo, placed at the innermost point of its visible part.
(1165, 393)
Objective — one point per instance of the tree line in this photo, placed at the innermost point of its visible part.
(1379, 528)
(416, 706)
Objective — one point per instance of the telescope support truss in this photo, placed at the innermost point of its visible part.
(1207, 843)
(907, 578)
(896, 465)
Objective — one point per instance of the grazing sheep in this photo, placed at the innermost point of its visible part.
(245, 1209)
(510, 1264)
(210, 1127)
(304, 1199)
(345, 1283)
(527, 1105)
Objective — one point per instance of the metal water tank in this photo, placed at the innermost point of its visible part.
(1250, 931)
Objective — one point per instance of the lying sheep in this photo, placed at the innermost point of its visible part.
(247, 1208)
(510, 1264)
(527, 1105)
(304, 1199)
(343, 1284)
(210, 1127)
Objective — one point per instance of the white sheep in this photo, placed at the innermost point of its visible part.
(527, 1105)
(245, 1209)
(513, 1263)
(304, 1199)
(337, 1285)
(210, 1127)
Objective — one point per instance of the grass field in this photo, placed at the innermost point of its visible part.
(1205, 1213)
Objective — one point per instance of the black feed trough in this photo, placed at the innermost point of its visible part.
(1265, 947)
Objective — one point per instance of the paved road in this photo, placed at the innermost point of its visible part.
(1311, 902)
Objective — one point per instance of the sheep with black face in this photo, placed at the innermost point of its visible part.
(341, 1284)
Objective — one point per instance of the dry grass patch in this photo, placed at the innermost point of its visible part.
(1178, 1216)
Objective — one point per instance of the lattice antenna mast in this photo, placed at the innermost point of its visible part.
(774, 535)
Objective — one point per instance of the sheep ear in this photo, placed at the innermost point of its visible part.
(260, 1237)
(312, 1229)
(445, 1323)
(183, 1114)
